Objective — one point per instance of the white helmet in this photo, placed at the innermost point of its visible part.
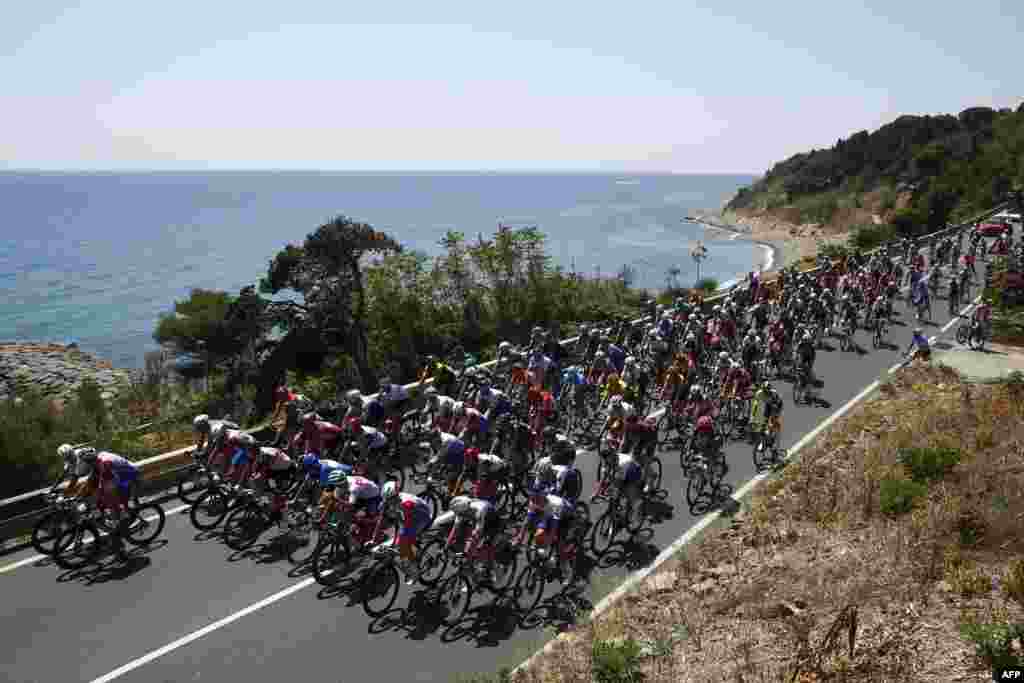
(354, 397)
(201, 423)
(339, 480)
(87, 455)
(66, 451)
(460, 409)
(389, 492)
(460, 505)
(723, 355)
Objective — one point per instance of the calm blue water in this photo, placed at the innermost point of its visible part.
(97, 257)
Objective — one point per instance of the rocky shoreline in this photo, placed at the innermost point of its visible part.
(54, 370)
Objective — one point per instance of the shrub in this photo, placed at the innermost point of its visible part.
(898, 496)
(929, 464)
(617, 661)
(871, 236)
(707, 284)
(834, 250)
(993, 643)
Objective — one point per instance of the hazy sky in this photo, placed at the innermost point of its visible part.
(672, 86)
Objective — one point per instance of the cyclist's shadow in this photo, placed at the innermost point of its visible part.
(632, 553)
(109, 567)
(421, 617)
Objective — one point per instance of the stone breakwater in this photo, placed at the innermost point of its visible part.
(54, 370)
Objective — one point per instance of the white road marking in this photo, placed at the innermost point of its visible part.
(30, 560)
(196, 635)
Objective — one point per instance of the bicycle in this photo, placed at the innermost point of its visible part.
(880, 328)
(66, 513)
(767, 453)
(970, 334)
(382, 579)
(255, 514)
(80, 544)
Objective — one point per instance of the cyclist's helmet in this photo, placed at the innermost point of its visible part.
(354, 398)
(615, 405)
(735, 365)
(311, 464)
(545, 472)
(201, 424)
(461, 505)
(807, 336)
(695, 392)
(704, 424)
(389, 493)
(471, 457)
(723, 356)
(460, 409)
(87, 455)
(66, 452)
(918, 330)
(308, 419)
(430, 394)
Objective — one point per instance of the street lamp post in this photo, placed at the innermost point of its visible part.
(698, 253)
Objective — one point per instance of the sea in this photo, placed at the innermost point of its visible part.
(95, 258)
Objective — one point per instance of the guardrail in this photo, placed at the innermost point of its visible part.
(21, 512)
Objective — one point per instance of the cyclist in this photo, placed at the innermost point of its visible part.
(919, 343)
(806, 355)
(954, 295)
(476, 425)
(766, 409)
(371, 444)
(393, 399)
(440, 408)
(492, 402)
(412, 516)
(112, 478)
(207, 430)
(273, 467)
(983, 316)
(450, 455)
(549, 514)
(487, 472)
(290, 406)
(486, 524)
(357, 495)
(317, 436)
(319, 470)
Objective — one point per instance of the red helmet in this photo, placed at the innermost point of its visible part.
(471, 455)
(704, 423)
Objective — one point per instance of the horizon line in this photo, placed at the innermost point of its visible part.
(396, 171)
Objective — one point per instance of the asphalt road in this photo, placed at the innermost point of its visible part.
(190, 609)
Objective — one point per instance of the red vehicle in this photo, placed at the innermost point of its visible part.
(992, 229)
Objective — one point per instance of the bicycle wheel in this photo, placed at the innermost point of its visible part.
(453, 598)
(603, 534)
(192, 483)
(962, 333)
(48, 529)
(506, 562)
(330, 556)
(763, 454)
(798, 391)
(380, 589)
(655, 464)
(210, 510)
(77, 546)
(146, 524)
(243, 526)
(433, 559)
(529, 589)
(636, 516)
(695, 485)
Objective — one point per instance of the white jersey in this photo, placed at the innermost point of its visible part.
(276, 459)
(477, 509)
(556, 507)
(539, 363)
(361, 488)
(626, 467)
(489, 463)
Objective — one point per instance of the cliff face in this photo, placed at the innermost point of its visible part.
(54, 370)
(932, 165)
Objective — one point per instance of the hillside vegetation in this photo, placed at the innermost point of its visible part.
(918, 172)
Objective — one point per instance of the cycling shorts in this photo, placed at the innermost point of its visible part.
(420, 521)
(371, 505)
(240, 457)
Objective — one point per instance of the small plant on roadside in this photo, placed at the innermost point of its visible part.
(503, 675)
(898, 496)
(929, 464)
(994, 643)
(617, 661)
(963, 575)
(707, 284)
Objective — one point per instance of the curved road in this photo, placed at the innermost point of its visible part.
(191, 610)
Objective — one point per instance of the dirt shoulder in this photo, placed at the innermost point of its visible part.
(862, 561)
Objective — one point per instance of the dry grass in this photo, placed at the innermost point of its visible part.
(815, 583)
